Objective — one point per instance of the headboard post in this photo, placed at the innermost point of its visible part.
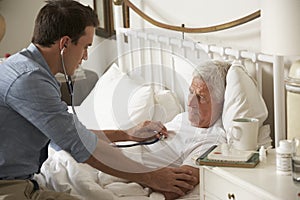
(118, 20)
(279, 99)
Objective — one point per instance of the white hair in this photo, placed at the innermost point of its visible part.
(213, 73)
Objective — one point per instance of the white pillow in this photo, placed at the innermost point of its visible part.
(166, 107)
(242, 98)
(121, 102)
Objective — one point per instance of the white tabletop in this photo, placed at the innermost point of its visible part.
(263, 179)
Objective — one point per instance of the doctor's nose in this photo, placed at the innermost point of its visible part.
(85, 55)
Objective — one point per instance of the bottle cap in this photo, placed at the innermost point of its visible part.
(285, 146)
(262, 151)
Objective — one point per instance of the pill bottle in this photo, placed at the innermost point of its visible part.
(284, 157)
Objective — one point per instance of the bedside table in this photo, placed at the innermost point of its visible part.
(261, 182)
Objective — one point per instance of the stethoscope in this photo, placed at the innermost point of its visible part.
(69, 83)
(148, 142)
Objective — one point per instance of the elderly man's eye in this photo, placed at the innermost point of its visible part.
(201, 99)
(191, 91)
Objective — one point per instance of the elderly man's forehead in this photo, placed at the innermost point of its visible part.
(198, 82)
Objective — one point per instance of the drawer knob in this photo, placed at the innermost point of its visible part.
(231, 196)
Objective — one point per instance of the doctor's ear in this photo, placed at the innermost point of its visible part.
(62, 50)
(64, 41)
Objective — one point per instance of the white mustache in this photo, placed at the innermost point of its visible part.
(193, 110)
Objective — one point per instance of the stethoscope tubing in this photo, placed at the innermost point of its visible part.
(69, 82)
(137, 143)
(71, 91)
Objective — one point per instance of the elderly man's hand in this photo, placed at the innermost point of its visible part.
(147, 130)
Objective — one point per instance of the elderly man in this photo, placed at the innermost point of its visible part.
(192, 132)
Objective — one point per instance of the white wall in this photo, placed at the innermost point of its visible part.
(20, 15)
(203, 13)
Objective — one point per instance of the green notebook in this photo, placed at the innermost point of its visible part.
(250, 163)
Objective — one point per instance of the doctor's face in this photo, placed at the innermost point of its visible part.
(199, 104)
(75, 53)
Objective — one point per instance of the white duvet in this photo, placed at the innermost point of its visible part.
(62, 173)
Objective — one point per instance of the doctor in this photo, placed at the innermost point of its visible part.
(32, 113)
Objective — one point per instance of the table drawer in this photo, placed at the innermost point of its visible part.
(223, 188)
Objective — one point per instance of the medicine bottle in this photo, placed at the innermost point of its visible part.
(284, 157)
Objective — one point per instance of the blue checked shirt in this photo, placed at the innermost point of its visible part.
(32, 114)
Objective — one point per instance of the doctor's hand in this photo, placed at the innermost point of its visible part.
(171, 180)
(195, 182)
(147, 130)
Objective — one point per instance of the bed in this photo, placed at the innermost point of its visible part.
(149, 81)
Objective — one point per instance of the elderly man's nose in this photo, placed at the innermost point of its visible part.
(192, 100)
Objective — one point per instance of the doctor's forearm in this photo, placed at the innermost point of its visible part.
(136, 177)
(112, 161)
(111, 135)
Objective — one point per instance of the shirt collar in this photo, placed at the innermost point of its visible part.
(38, 57)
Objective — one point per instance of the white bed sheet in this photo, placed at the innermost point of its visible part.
(62, 173)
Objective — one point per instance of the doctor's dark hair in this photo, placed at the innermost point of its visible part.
(60, 18)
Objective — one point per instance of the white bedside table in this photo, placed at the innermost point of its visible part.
(261, 182)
